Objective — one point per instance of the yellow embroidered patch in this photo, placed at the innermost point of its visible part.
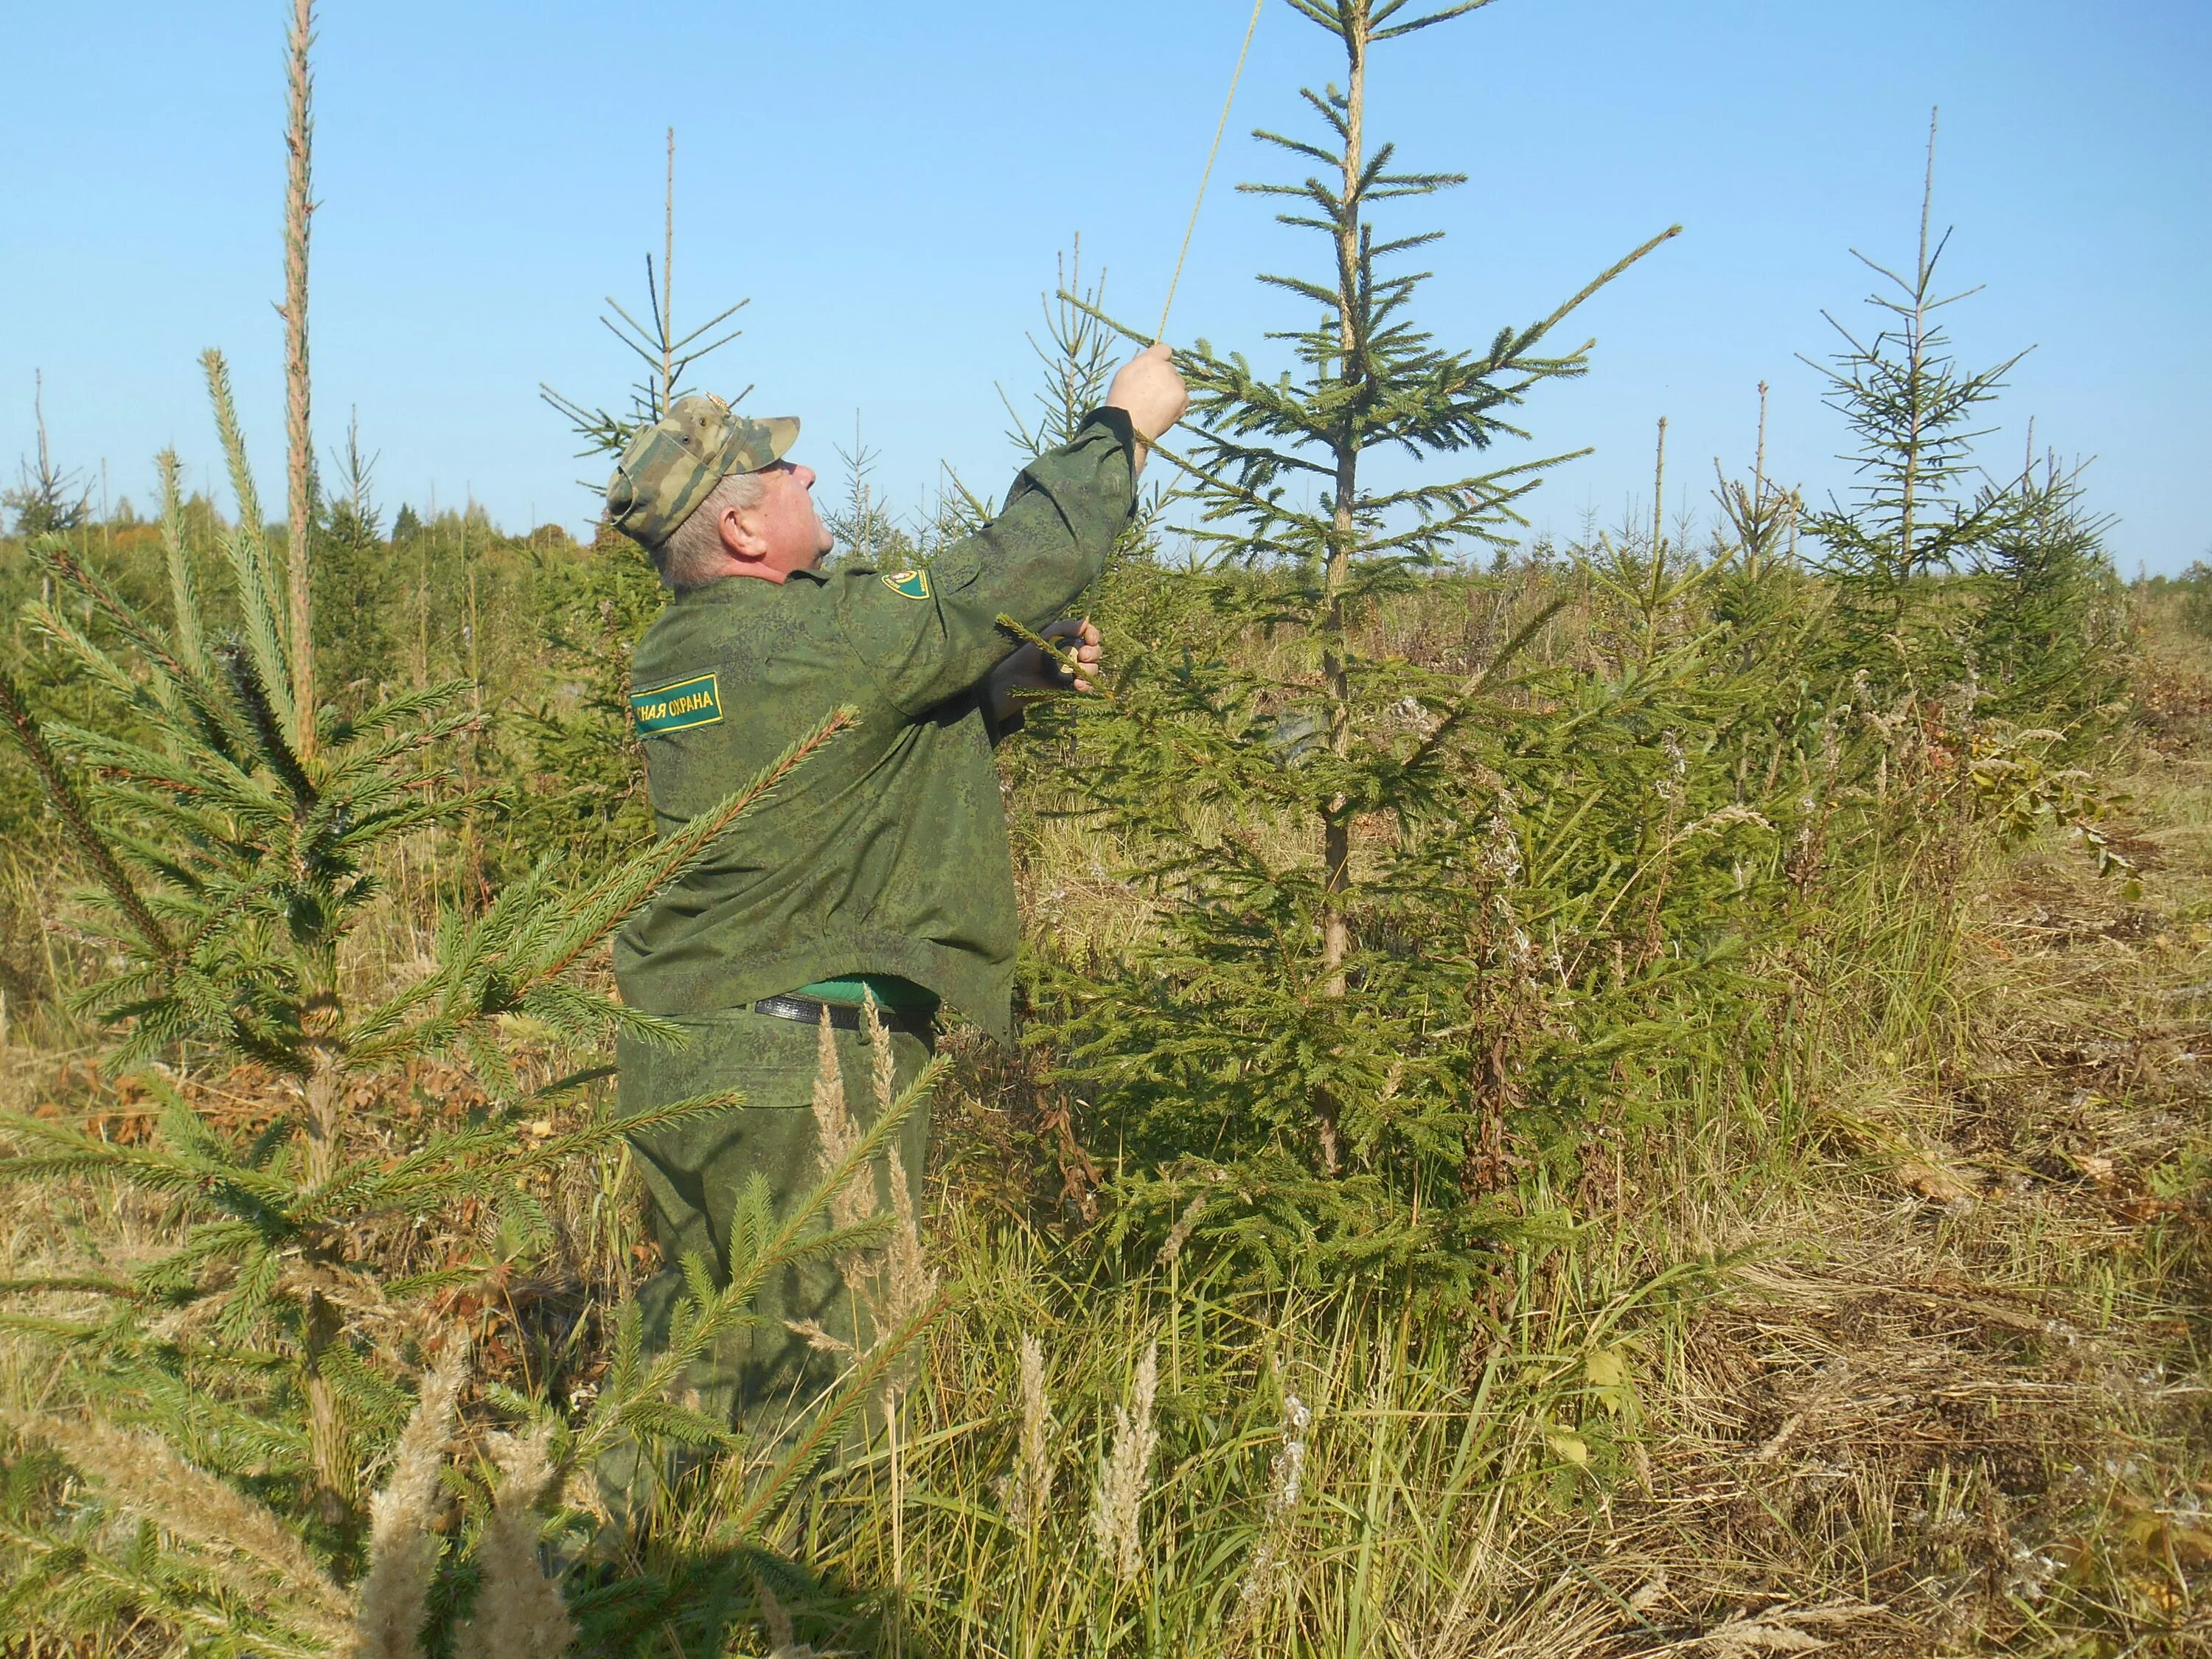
(908, 584)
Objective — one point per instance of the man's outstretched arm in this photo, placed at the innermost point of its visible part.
(931, 635)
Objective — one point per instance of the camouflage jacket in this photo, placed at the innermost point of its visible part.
(886, 852)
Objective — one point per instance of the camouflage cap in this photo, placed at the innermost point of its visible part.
(673, 466)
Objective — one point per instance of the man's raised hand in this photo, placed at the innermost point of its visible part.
(1151, 392)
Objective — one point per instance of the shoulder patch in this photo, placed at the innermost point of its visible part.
(908, 584)
(677, 707)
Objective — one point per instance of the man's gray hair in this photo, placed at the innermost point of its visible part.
(692, 556)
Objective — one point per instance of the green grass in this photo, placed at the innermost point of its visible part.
(1760, 1377)
(1764, 1377)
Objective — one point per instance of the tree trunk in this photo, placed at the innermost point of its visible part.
(322, 1096)
(1336, 813)
(328, 1446)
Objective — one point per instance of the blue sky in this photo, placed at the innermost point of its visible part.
(889, 183)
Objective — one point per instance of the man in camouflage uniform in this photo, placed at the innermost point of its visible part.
(880, 868)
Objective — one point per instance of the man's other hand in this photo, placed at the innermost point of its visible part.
(1152, 393)
(1031, 669)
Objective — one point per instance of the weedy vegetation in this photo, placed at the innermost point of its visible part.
(1631, 1098)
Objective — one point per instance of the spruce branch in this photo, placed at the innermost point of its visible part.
(103, 668)
(184, 582)
(216, 369)
(1480, 685)
(106, 868)
(604, 907)
(826, 1429)
(1538, 330)
(1389, 8)
(246, 547)
(179, 679)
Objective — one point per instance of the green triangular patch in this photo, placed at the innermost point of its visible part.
(911, 584)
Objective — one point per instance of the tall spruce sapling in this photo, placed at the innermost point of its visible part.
(1974, 614)
(1077, 358)
(1077, 355)
(867, 531)
(46, 498)
(1758, 591)
(1760, 519)
(1312, 816)
(585, 800)
(666, 355)
(1922, 511)
(2051, 643)
(357, 586)
(229, 871)
(231, 1393)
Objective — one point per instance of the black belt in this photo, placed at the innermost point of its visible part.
(844, 1016)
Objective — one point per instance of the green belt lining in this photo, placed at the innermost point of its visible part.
(889, 991)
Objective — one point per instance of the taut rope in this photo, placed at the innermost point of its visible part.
(1205, 176)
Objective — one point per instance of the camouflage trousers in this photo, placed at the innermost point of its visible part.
(764, 1379)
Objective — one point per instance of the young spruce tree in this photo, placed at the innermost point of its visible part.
(1919, 515)
(230, 873)
(231, 1393)
(2051, 641)
(1306, 1037)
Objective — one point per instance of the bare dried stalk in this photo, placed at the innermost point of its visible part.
(780, 1637)
(883, 1064)
(835, 1132)
(817, 1337)
(1179, 1235)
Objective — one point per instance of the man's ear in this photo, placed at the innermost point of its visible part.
(739, 530)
